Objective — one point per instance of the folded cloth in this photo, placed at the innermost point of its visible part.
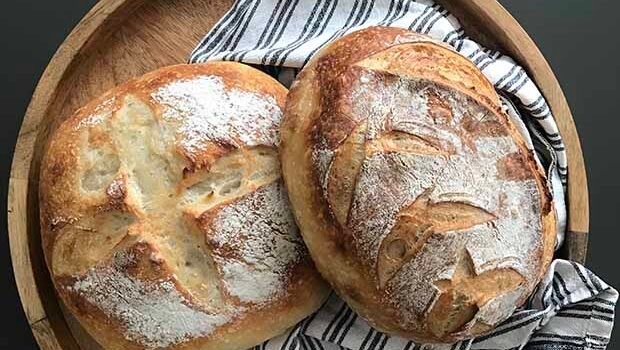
(572, 308)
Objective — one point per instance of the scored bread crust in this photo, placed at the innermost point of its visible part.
(431, 225)
(164, 220)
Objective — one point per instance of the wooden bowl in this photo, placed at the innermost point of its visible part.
(119, 39)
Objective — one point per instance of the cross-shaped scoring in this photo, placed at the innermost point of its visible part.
(180, 224)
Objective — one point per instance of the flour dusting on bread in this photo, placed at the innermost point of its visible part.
(99, 114)
(261, 231)
(467, 172)
(211, 112)
(154, 313)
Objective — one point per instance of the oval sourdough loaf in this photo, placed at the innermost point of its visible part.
(164, 219)
(418, 199)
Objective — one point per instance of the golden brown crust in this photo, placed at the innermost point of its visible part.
(368, 125)
(137, 192)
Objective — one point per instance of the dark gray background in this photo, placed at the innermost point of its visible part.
(578, 37)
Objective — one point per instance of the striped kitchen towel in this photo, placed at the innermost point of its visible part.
(572, 308)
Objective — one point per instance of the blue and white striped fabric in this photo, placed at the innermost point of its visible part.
(572, 308)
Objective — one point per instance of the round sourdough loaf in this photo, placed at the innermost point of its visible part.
(416, 196)
(164, 219)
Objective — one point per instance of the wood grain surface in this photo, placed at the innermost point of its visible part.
(120, 39)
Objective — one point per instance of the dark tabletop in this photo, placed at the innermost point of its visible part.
(578, 37)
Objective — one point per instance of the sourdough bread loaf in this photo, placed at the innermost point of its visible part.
(164, 219)
(418, 199)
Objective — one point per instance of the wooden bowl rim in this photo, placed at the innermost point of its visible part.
(52, 332)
